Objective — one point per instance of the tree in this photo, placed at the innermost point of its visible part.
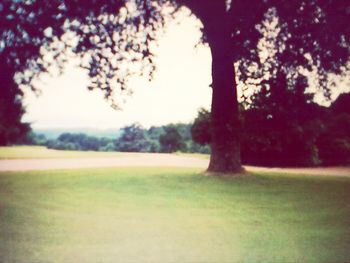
(78, 141)
(334, 142)
(278, 129)
(133, 139)
(201, 128)
(171, 140)
(11, 111)
(315, 35)
(29, 30)
(37, 139)
(341, 104)
(22, 38)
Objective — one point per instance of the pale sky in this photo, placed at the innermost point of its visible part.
(179, 89)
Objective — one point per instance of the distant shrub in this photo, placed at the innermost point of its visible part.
(171, 140)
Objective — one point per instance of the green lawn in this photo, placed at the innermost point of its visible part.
(172, 215)
(40, 152)
(196, 155)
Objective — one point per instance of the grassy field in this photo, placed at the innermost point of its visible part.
(40, 152)
(172, 215)
(196, 155)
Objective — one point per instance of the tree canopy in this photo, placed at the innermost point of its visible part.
(110, 33)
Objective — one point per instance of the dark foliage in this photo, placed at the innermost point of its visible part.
(293, 133)
(12, 130)
(334, 142)
(341, 104)
(133, 139)
(22, 35)
(171, 140)
(280, 126)
(201, 128)
(79, 142)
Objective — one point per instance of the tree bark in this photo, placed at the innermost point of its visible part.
(225, 146)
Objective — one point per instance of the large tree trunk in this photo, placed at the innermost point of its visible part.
(225, 146)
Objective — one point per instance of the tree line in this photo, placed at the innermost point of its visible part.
(133, 138)
(275, 132)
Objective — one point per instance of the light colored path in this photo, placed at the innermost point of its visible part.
(149, 160)
(331, 171)
(126, 160)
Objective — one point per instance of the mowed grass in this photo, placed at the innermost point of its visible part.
(41, 152)
(195, 155)
(172, 215)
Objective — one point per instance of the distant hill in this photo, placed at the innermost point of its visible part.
(53, 133)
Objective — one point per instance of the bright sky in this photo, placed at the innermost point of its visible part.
(179, 89)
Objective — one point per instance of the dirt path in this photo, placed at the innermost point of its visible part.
(148, 160)
(126, 160)
(331, 171)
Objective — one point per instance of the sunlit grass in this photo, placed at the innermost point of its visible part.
(196, 155)
(40, 152)
(172, 215)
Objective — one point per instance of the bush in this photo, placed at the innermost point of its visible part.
(171, 140)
